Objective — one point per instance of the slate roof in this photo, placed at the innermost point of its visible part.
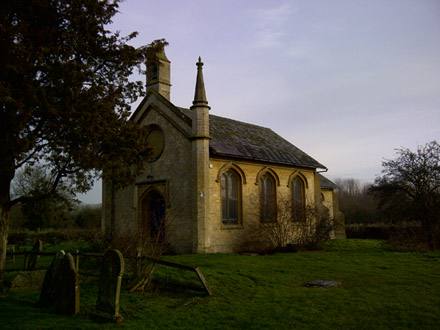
(326, 183)
(236, 139)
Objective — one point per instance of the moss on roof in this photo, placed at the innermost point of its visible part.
(235, 139)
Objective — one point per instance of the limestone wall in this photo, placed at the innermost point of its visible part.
(229, 238)
(328, 201)
(170, 174)
(174, 174)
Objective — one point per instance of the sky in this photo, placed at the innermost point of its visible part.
(347, 82)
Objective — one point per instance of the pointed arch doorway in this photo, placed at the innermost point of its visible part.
(153, 216)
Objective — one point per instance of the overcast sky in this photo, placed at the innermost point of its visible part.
(345, 81)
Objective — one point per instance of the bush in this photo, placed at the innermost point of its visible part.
(405, 236)
(407, 239)
(87, 216)
(53, 236)
(368, 231)
(289, 235)
(409, 190)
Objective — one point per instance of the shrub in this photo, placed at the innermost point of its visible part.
(53, 236)
(409, 238)
(368, 231)
(287, 234)
(403, 237)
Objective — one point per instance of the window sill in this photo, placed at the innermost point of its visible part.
(231, 226)
(272, 222)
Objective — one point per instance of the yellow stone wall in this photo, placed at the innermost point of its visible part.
(230, 238)
(171, 176)
(175, 175)
(328, 201)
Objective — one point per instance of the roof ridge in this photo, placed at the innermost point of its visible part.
(228, 141)
(227, 118)
(242, 122)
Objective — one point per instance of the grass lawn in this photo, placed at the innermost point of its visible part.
(380, 289)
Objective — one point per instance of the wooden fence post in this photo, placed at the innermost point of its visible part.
(77, 261)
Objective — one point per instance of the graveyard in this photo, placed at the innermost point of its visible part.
(375, 288)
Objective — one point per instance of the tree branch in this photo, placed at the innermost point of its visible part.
(29, 157)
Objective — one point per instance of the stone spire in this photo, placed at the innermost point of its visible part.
(200, 107)
(200, 168)
(200, 94)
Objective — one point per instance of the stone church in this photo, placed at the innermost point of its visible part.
(211, 179)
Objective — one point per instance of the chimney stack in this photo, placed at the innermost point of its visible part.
(158, 68)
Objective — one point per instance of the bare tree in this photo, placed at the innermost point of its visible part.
(152, 247)
(349, 186)
(42, 207)
(409, 189)
(356, 203)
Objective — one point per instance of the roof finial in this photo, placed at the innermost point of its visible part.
(200, 94)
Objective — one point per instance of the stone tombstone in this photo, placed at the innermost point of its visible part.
(27, 279)
(31, 260)
(322, 284)
(60, 288)
(67, 300)
(112, 269)
(48, 289)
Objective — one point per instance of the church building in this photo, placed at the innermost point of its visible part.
(209, 181)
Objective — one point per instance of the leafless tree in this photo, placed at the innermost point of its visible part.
(409, 189)
(356, 203)
(152, 247)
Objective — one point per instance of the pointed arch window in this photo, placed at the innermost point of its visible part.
(268, 198)
(230, 183)
(298, 200)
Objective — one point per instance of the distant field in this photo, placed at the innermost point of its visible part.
(380, 289)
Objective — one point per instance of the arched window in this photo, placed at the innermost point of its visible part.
(298, 200)
(231, 197)
(268, 198)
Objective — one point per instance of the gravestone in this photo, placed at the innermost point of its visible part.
(60, 288)
(27, 279)
(31, 260)
(322, 284)
(112, 269)
(48, 289)
(67, 300)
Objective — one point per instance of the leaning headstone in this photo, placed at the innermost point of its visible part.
(67, 301)
(48, 289)
(31, 260)
(112, 269)
(26, 279)
(61, 285)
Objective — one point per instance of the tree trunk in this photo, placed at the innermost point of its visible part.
(428, 231)
(4, 227)
(427, 219)
(7, 172)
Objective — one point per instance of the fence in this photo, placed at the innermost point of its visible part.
(31, 263)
